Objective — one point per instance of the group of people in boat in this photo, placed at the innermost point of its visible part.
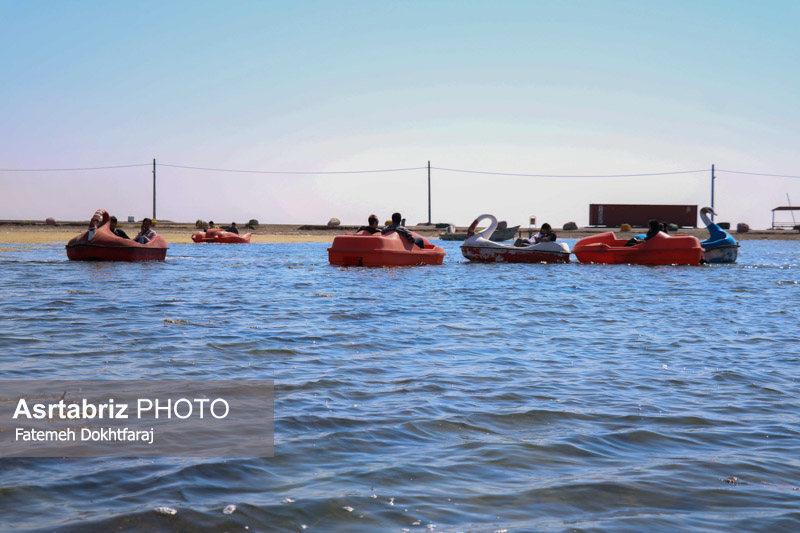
(145, 235)
(396, 226)
(230, 229)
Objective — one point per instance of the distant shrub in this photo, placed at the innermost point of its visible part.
(570, 226)
(200, 224)
(725, 225)
(624, 227)
(741, 227)
(253, 224)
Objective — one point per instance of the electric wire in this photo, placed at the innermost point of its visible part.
(71, 169)
(571, 175)
(408, 169)
(757, 174)
(293, 171)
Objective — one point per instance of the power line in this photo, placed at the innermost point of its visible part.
(758, 174)
(569, 175)
(293, 171)
(69, 169)
(375, 171)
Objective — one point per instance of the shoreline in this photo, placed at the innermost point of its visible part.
(26, 232)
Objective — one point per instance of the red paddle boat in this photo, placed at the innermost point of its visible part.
(662, 249)
(221, 236)
(100, 244)
(378, 249)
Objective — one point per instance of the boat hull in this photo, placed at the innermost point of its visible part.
(662, 249)
(93, 252)
(380, 250)
(483, 254)
(722, 254)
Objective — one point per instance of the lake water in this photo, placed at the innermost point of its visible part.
(461, 397)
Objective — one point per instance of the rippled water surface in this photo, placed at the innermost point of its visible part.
(464, 397)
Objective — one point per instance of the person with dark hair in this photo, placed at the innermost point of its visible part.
(211, 224)
(654, 229)
(146, 234)
(546, 234)
(372, 227)
(397, 227)
(112, 225)
(233, 228)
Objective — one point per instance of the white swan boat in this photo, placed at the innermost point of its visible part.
(479, 247)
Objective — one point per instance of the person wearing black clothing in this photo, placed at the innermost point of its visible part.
(233, 228)
(655, 229)
(112, 225)
(373, 225)
(546, 234)
(398, 228)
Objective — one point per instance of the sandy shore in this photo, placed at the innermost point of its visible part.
(12, 232)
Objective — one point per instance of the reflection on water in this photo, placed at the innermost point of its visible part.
(464, 397)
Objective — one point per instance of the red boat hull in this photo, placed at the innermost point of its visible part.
(91, 252)
(105, 246)
(220, 236)
(662, 249)
(509, 255)
(380, 250)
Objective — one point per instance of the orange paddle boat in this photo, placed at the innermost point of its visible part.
(98, 243)
(221, 236)
(662, 249)
(378, 249)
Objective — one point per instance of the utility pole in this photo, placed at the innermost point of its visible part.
(429, 192)
(712, 193)
(154, 189)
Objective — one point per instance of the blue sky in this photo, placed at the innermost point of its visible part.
(549, 87)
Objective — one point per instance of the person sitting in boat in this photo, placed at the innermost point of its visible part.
(233, 228)
(373, 225)
(146, 234)
(211, 224)
(655, 228)
(397, 227)
(546, 234)
(112, 225)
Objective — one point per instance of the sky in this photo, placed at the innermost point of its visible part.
(555, 88)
